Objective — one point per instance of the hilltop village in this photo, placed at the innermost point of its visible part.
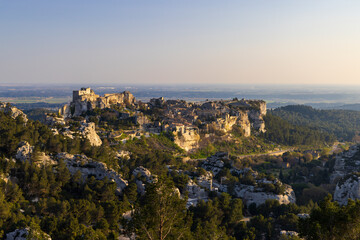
(185, 120)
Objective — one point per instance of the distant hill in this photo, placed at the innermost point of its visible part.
(344, 124)
(354, 107)
(283, 132)
(29, 106)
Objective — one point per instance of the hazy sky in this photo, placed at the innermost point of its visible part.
(182, 41)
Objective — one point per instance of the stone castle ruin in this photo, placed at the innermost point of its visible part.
(85, 99)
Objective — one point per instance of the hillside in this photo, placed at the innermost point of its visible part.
(344, 124)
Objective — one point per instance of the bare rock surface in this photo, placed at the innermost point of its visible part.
(88, 167)
(142, 176)
(22, 234)
(252, 194)
(24, 151)
(88, 131)
(346, 188)
(13, 111)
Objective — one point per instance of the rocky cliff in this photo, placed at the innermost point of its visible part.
(349, 187)
(88, 131)
(346, 163)
(13, 111)
(242, 119)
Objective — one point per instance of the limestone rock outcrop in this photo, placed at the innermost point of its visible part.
(13, 111)
(252, 194)
(88, 131)
(22, 234)
(241, 119)
(349, 187)
(346, 163)
(257, 120)
(24, 151)
(52, 120)
(88, 167)
(142, 176)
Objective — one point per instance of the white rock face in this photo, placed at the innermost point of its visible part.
(13, 111)
(258, 122)
(22, 234)
(24, 151)
(88, 167)
(242, 119)
(346, 163)
(251, 194)
(140, 172)
(88, 131)
(348, 189)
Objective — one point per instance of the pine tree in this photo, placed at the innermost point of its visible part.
(160, 214)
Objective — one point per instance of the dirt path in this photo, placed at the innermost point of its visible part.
(275, 153)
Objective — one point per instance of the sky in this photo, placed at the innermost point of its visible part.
(180, 42)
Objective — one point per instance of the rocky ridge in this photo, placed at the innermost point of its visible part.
(13, 111)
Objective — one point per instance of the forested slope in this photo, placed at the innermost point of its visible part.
(344, 124)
